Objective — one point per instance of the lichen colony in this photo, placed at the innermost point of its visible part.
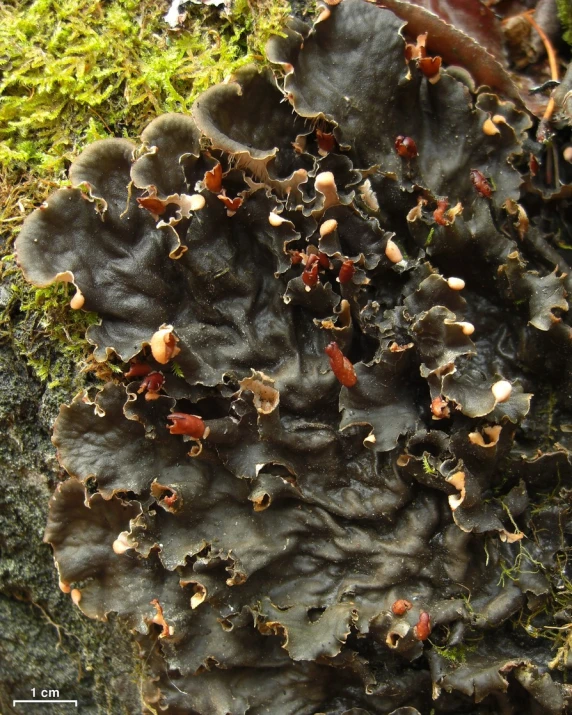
(318, 489)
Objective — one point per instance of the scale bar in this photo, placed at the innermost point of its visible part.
(44, 701)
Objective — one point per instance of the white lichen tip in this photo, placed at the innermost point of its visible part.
(199, 596)
(456, 283)
(510, 538)
(368, 196)
(77, 301)
(121, 545)
(490, 128)
(266, 397)
(326, 185)
(324, 15)
(328, 227)
(397, 632)
(502, 390)
(458, 481)
(164, 344)
(392, 251)
(196, 202)
(492, 434)
(467, 328)
(325, 181)
(275, 219)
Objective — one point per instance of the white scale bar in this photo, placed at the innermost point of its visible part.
(44, 701)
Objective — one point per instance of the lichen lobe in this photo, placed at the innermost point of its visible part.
(253, 516)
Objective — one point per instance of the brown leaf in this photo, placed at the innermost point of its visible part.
(455, 47)
(472, 18)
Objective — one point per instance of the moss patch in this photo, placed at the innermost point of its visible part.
(82, 70)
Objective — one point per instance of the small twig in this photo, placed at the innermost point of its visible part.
(101, 119)
(552, 61)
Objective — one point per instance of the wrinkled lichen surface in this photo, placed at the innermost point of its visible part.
(264, 556)
(55, 58)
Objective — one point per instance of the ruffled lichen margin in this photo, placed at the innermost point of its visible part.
(76, 71)
(385, 404)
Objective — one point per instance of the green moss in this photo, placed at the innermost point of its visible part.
(177, 370)
(524, 563)
(34, 317)
(565, 15)
(456, 654)
(427, 468)
(554, 607)
(82, 70)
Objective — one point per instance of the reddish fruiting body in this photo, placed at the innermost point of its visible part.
(213, 179)
(323, 260)
(481, 184)
(190, 425)
(439, 213)
(340, 365)
(155, 206)
(310, 277)
(423, 627)
(326, 142)
(533, 164)
(171, 499)
(440, 408)
(231, 204)
(347, 271)
(295, 257)
(310, 274)
(430, 66)
(401, 606)
(138, 369)
(151, 384)
(406, 147)
(417, 50)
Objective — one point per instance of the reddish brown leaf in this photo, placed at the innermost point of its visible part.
(472, 18)
(455, 47)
